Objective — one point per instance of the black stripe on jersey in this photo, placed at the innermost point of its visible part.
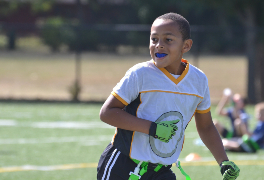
(133, 106)
(123, 137)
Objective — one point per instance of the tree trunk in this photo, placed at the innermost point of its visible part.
(260, 72)
(251, 33)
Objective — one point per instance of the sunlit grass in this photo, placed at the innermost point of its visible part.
(25, 144)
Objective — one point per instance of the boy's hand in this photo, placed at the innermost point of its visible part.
(229, 170)
(163, 130)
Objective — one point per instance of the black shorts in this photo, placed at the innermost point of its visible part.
(228, 134)
(113, 165)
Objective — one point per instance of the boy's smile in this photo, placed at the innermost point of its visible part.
(167, 46)
(160, 55)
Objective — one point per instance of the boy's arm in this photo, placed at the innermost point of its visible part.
(220, 110)
(210, 136)
(112, 113)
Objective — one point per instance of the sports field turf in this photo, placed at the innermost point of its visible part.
(65, 141)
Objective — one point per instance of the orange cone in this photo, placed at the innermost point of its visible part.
(192, 157)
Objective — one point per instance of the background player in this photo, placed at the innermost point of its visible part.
(236, 114)
(151, 107)
(250, 141)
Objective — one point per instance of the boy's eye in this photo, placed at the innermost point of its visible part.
(154, 39)
(169, 39)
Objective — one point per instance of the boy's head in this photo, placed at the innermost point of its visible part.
(183, 24)
(259, 111)
(169, 40)
(239, 101)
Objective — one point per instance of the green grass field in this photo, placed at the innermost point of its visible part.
(65, 141)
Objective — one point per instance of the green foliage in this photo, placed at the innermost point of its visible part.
(51, 33)
(80, 38)
(9, 7)
(42, 5)
(148, 10)
(138, 38)
(57, 32)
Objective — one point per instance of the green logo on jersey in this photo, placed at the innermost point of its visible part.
(168, 149)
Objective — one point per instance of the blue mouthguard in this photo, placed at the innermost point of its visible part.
(160, 55)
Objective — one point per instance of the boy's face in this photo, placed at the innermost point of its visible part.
(260, 114)
(238, 100)
(166, 45)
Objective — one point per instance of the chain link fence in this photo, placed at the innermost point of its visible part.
(41, 61)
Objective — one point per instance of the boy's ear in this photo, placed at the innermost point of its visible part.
(187, 45)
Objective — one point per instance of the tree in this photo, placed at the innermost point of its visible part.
(250, 13)
(9, 7)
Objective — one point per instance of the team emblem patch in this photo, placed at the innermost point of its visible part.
(163, 149)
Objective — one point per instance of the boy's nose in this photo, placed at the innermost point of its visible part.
(159, 45)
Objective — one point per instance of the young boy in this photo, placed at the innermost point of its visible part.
(236, 114)
(249, 142)
(151, 107)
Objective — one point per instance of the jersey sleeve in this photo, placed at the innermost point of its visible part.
(127, 89)
(258, 134)
(205, 104)
(244, 117)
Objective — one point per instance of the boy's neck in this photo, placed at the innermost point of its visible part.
(181, 68)
(177, 70)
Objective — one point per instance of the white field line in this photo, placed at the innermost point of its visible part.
(69, 125)
(58, 124)
(94, 165)
(85, 140)
(7, 122)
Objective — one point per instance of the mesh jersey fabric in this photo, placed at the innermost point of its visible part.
(153, 94)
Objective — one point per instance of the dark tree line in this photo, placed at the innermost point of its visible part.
(242, 15)
(248, 14)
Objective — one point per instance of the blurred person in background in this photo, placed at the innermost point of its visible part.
(250, 142)
(236, 114)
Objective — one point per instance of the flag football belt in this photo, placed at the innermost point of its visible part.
(250, 142)
(136, 175)
(229, 134)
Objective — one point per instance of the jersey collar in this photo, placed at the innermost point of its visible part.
(172, 78)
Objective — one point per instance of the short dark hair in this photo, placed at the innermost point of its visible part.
(183, 24)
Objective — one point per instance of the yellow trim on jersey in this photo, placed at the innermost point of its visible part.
(171, 77)
(183, 142)
(203, 111)
(113, 139)
(172, 92)
(139, 104)
(134, 131)
(119, 98)
(131, 144)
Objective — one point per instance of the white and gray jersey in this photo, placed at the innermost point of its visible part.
(154, 94)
